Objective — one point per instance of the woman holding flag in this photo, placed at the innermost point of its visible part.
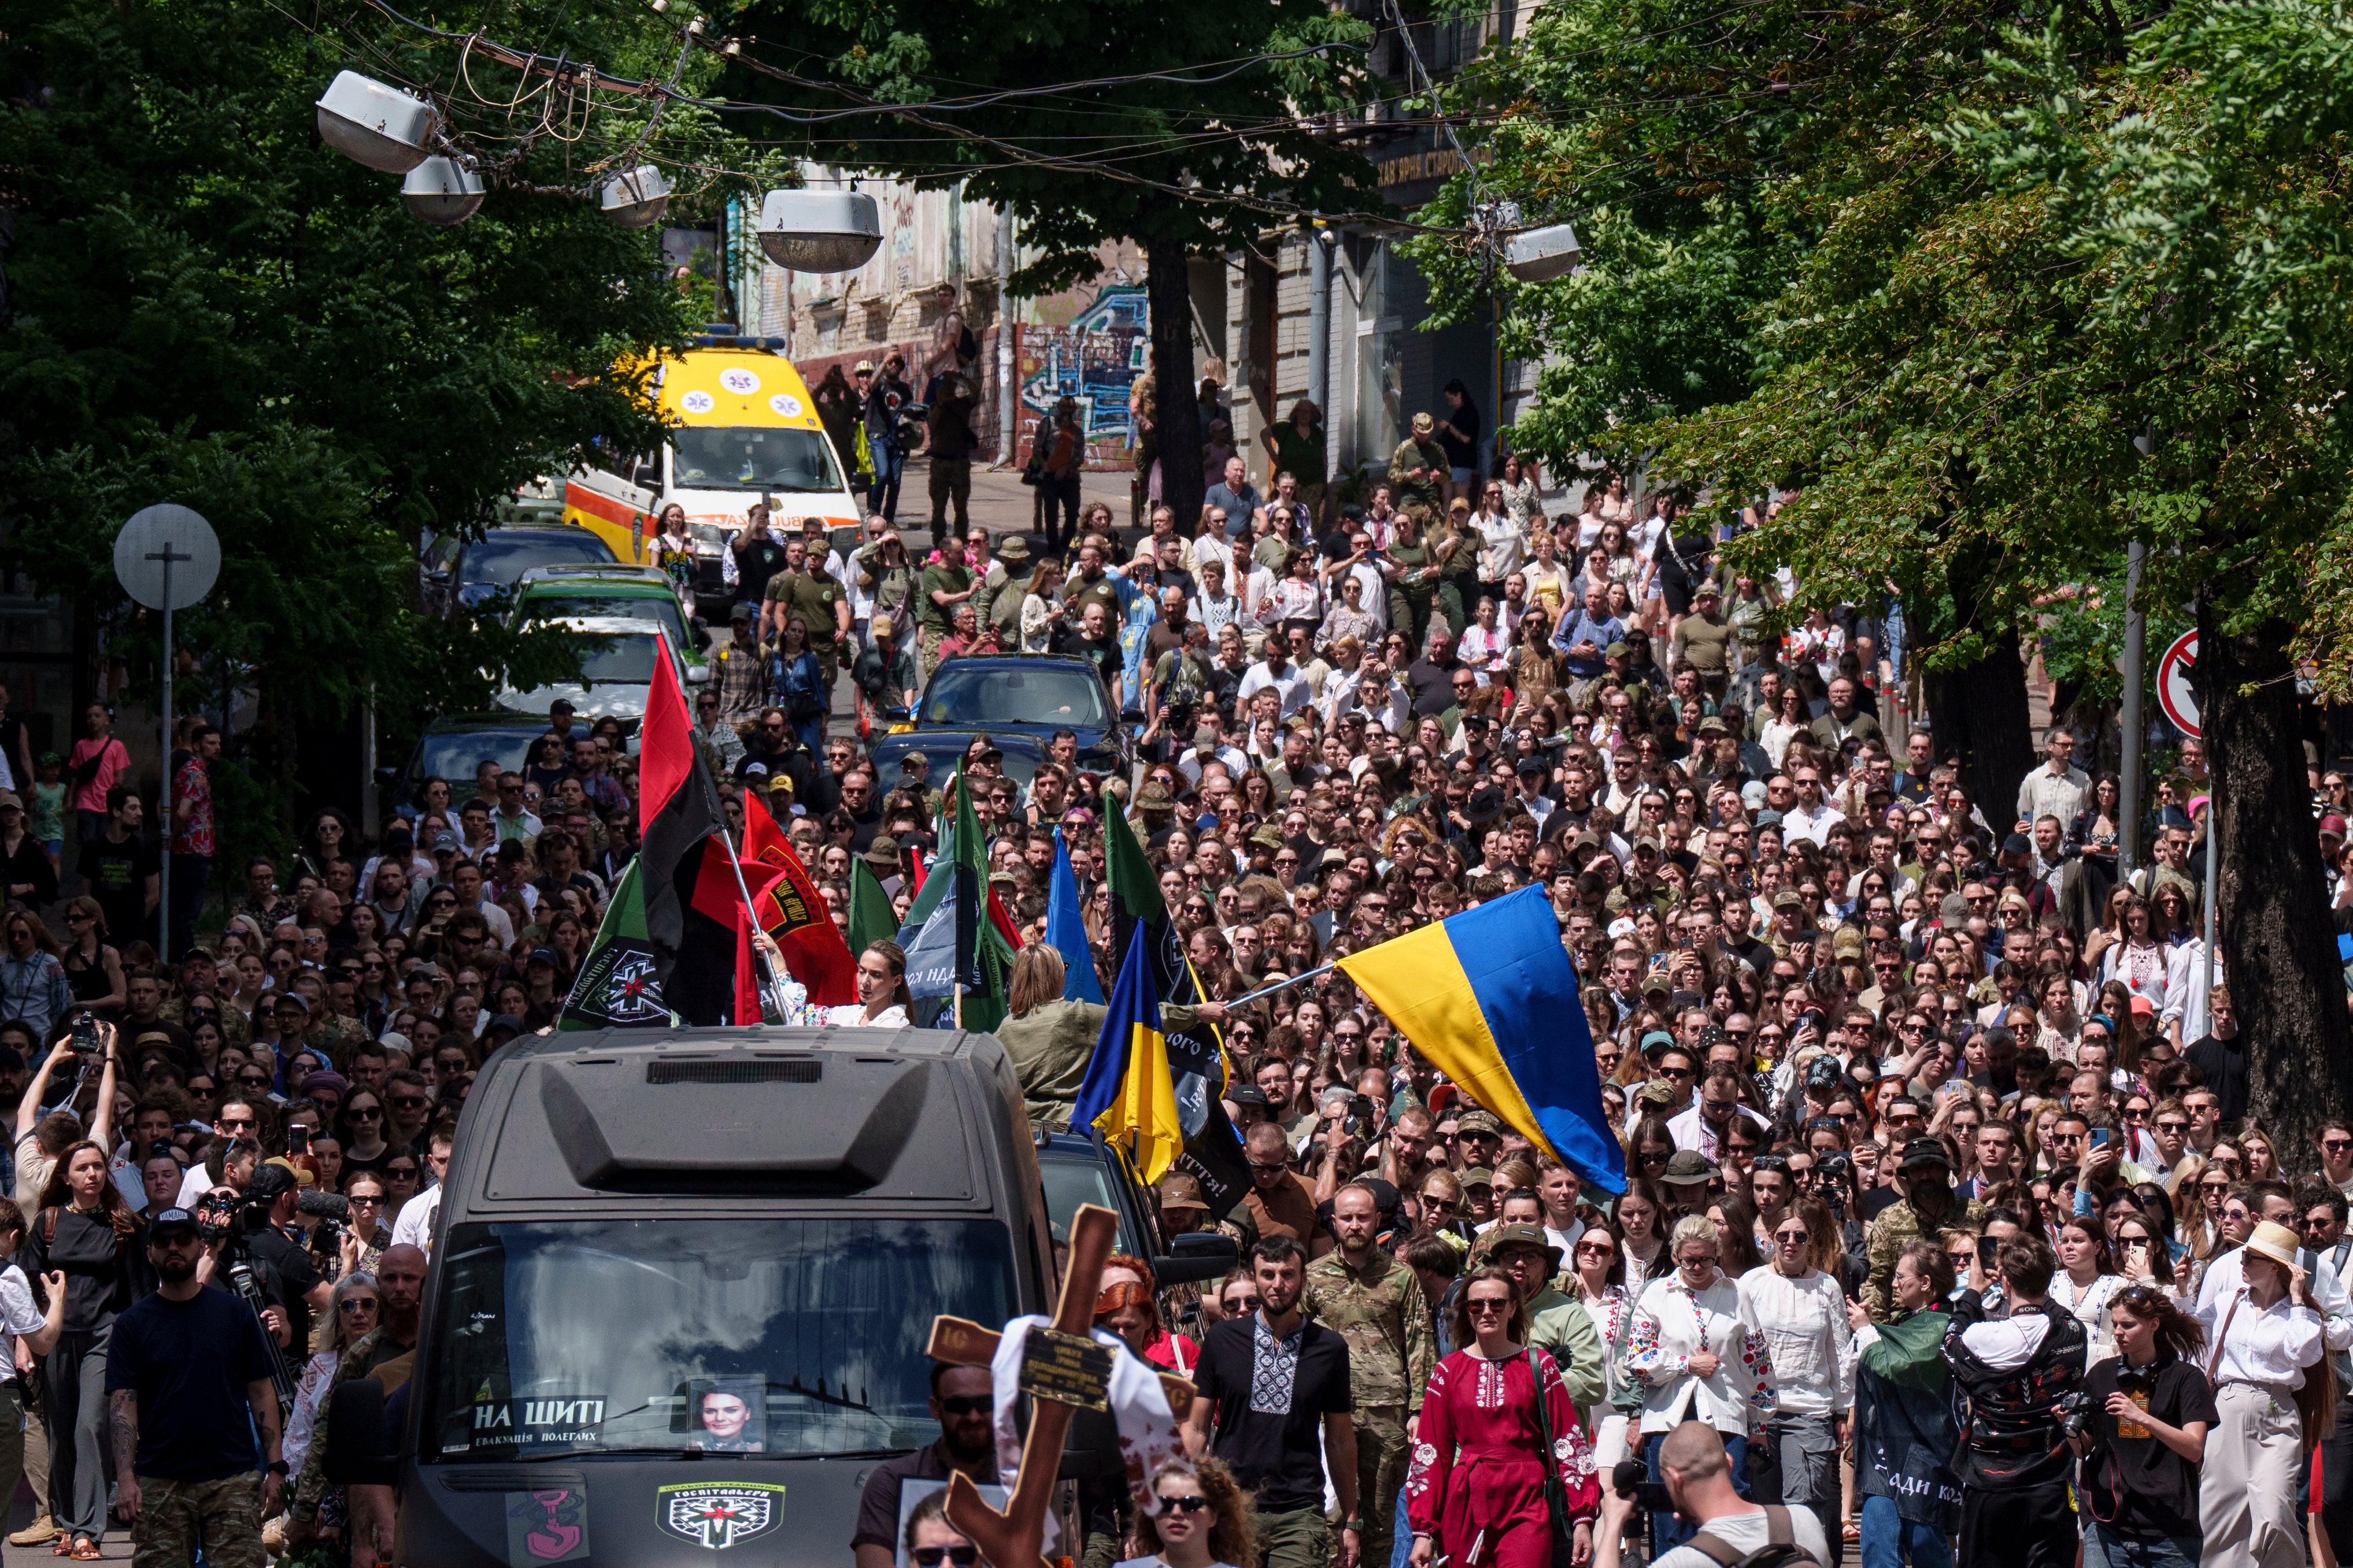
(882, 999)
(1051, 1039)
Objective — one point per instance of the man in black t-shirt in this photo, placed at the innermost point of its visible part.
(2221, 1057)
(758, 555)
(122, 870)
(300, 1289)
(1274, 1383)
(183, 1369)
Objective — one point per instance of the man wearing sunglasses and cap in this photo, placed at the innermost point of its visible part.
(188, 1377)
(963, 1402)
(1924, 1177)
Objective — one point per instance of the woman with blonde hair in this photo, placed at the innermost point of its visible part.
(1050, 1039)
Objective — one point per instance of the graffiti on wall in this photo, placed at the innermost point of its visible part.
(1096, 359)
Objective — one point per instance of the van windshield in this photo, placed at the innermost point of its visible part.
(793, 1338)
(753, 457)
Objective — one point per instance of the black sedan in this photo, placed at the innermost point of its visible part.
(1019, 701)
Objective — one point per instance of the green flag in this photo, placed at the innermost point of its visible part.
(984, 958)
(618, 987)
(1133, 884)
(871, 916)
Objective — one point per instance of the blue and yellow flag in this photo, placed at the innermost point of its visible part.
(1128, 1092)
(1490, 998)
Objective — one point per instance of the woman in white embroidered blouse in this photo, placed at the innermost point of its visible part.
(1599, 1268)
(2088, 1280)
(1699, 1359)
(2261, 1337)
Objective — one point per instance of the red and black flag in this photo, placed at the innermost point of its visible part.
(791, 910)
(682, 851)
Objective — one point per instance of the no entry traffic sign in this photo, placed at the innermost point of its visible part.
(2174, 692)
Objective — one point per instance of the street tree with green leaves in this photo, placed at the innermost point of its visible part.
(206, 305)
(1186, 131)
(2044, 235)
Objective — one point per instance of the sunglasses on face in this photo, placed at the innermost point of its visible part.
(1241, 1303)
(933, 1556)
(1196, 1503)
(357, 1305)
(968, 1404)
(1485, 1307)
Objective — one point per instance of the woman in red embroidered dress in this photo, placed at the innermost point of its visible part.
(1476, 1488)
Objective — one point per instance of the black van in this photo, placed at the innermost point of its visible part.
(683, 1285)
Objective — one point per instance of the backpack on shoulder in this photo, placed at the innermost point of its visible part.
(1780, 1546)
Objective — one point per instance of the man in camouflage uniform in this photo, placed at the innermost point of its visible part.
(400, 1285)
(1373, 1301)
(199, 975)
(1928, 1207)
(1557, 1326)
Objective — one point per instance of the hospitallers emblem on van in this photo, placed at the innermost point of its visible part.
(718, 1517)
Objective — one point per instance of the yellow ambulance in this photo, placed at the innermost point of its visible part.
(745, 429)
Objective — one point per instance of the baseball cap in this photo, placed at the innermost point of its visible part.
(1927, 1151)
(171, 1220)
(1689, 1168)
(546, 955)
(271, 1180)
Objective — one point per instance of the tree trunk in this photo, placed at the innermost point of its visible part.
(2273, 921)
(1977, 715)
(1170, 287)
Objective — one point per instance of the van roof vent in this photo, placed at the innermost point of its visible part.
(761, 1069)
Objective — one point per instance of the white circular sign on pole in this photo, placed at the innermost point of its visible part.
(141, 552)
(2175, 693)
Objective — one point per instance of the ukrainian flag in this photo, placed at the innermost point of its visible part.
(1490, 998)
(1128, 1092)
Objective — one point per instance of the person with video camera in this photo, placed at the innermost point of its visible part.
(270, 1236)
(189, 1375)
(2020, 1378)
(1695, 1483)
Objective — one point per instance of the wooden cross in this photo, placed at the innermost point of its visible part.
(1016, 1537)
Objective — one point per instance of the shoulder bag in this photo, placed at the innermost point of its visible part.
(1556, 1494)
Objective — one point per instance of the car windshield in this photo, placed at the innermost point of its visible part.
(657, 609)
(497, 562)
(616, 659)
(981, 695)
(753, 457)
(454, 756)
(790, 1338)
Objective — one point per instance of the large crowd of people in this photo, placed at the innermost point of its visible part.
(1944, 1230)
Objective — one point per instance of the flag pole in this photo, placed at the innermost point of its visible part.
(959, 1004)
(1300, 979)
(760, 969)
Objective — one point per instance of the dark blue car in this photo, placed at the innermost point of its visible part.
(1019, 701)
